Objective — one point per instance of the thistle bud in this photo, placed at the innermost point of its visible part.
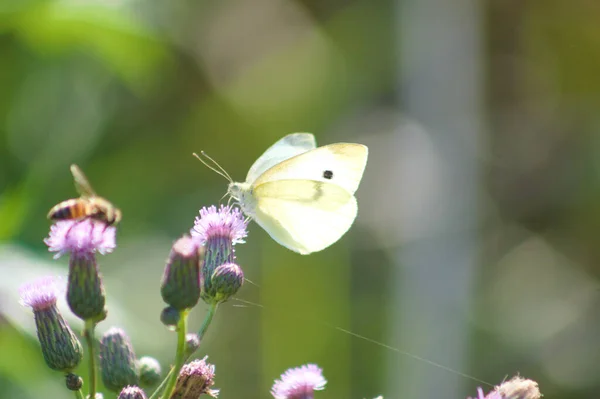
(225, 281)
(85, 291)
(180, 286)
(61, 349)
(73, 382)
(218, 230)
(83, 239)
(150, 370)
(132, 392)
(170, 316)
(195, 379)
(117, 360)
(192, 343)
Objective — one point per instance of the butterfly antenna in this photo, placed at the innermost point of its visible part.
(218, 169)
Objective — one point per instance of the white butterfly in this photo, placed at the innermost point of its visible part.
(303, 196)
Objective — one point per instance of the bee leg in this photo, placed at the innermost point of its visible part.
(73, 225)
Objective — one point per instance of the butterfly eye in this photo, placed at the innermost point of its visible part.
(328, 174)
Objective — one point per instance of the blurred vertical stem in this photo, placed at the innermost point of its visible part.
(79, 394)
(441, 84)
(89, 334)
(179, 357)
(172, 376)
(207, 320)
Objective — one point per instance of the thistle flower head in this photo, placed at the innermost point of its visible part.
(61, 349)
(86, 236)
(226, 222)
(117, 360)
(195, 379)
(192, 342)
(299, 383)
(224, 282)
(150, 370)
(41, 293)
(515, 388)
(180, 287)
(132, 392)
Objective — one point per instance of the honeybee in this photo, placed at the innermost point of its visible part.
(89, 205)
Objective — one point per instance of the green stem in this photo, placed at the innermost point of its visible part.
(78, 394)
(207, 320)
(180, 356)
(88, 333)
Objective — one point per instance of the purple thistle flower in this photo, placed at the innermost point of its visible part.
(299, 383)
(132, 392)
(480, 394)
(515, 388)
(225, 222)
(41, 293)
(61, 349)
(196, 378)
(83, 237)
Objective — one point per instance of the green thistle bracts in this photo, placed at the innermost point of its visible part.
(224, 282)
(85, 291)
(150, 370)
(180, 286)
(117, 360)
(61, 349)
(218, 251)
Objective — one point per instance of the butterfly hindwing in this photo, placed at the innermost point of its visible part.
(303, 215)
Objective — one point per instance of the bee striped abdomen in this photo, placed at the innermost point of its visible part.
(69, 209)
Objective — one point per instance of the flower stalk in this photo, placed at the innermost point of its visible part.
(89, 333)
(180, 355)
(172, 375)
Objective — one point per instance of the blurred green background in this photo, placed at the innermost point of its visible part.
(476, 245)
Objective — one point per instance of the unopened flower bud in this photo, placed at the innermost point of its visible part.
(61, 349)
(117, 360)
(225, 281)
(170, 316)
(150, 370)
(73, 382)
(132, 392)
(195, 379)
(180, 286)
(192, 343)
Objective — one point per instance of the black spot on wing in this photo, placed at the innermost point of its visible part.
(328, 174)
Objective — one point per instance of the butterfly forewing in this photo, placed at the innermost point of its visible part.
(288, 147)
(341, 164)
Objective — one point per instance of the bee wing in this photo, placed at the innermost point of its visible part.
(81, 183)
